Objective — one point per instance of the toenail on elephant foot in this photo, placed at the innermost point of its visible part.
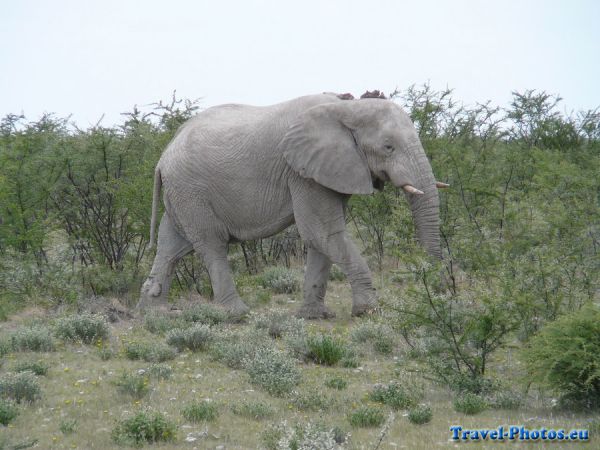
(315, 312)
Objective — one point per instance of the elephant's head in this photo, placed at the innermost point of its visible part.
(353, 146)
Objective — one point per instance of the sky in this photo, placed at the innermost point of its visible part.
(98, 58)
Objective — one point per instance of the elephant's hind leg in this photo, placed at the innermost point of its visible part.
(318, 266)
(214, 253)
(171, 248)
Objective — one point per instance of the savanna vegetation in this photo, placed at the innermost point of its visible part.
(505, 329)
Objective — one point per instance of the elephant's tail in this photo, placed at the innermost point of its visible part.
(155, 200)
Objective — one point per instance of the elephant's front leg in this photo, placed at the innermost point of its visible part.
(318, 266)
(343, 252)
(214, 254)
(319, 214)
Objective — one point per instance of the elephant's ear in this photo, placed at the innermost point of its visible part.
(319, 146)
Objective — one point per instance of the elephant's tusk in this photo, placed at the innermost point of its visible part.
(441, 185)
(412, 190)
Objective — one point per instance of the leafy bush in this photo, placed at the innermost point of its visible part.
(280, 280)
(233, 347)
(203, 411)
(86, 328)
(134, 385)
(380, 336)
(35, 339)
(197, 337)
(325, 349)
(310, 436)
(37, 367)
(150, 352)
(505, 400)
(22, 386)
(256, 410)
(67, 426)
(277, 322)
(366, 417)
(146, 427)
(310, 400)
(336, 383)
(273, 370)
(420, 414)
(160, 371)
(565, 356)
(8, 412)
(205, 313)
(469, 403)
(105, 353)
(394, 395)
(336, 274)
(158, 323)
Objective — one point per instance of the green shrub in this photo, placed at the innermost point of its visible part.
(277, 322)
(506, 400)
(325, 349)
(205, 313)
(146, 427)
(203, 411)
(313, 436)
(159, 323)
(160, 371)
(336, 383)
(233, 347)
(366, 417)
(420, 414)
(8, 412)
(273, 370)
(5, 346)
(256, 410)
(469, 403)
(134, 385)
(37, 367)
(150, 352)
(195, 338)
(380, 336)
(86, 328)
(67, 426)
(350, 361)
(565, 356)
(336, 274)
(393, 395)
(35, 339)
(105, 353)
(280, 280)
(310, 400)
(22, 386)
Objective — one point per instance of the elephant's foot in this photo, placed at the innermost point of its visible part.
(364, 306)
(315, 311)
(235, 307)
(152, 298)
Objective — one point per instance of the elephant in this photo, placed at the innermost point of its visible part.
(237, 172)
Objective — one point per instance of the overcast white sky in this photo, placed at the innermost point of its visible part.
(89, 58)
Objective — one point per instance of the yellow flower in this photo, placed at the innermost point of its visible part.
(67, 402)
(66, 369)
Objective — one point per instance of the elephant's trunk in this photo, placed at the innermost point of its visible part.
(425, 207)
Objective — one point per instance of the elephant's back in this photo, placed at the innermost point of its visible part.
(225, 135)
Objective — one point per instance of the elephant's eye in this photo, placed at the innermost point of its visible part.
(389, 148)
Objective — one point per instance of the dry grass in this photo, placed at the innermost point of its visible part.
(80, 386)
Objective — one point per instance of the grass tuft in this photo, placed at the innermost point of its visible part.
(203, 411)
(145, 427)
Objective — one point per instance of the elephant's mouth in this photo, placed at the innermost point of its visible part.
(379, 180)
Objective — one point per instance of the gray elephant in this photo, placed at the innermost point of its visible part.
(237, 172)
